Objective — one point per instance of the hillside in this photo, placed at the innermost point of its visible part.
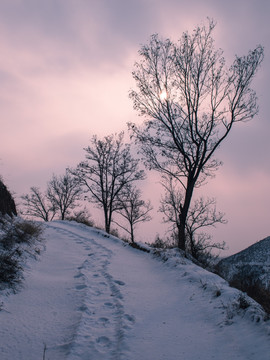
(249, 270)
(256, 254)
(90, 296)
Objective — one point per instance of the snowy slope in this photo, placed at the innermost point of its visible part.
(253, 262)
(92, 297)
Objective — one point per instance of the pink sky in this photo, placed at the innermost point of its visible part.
(65, 73)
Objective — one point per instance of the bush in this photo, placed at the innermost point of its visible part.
(82, 217)
(18, 231)
(159, 243)
(114, 232)
(16, 237)
(255, 289)
(10, 269)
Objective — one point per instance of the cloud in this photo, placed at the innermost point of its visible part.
(245, 202)
(65, 73)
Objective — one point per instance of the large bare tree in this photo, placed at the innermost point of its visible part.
(190, 101)
(109, 167)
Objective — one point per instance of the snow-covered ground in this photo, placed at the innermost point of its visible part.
(90, 296)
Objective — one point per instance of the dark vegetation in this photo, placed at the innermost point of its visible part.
(82, 216)
(249, 271)
(248, 281)
(17, 238)
(7, 203)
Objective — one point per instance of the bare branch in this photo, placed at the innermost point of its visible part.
(133, 209)
(64, 192)
(190, 102)
(107, 170)
(38, 205)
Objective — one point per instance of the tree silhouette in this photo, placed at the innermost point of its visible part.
(109, 167)
(191, 102)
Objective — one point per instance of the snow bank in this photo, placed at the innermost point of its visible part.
(93, 297)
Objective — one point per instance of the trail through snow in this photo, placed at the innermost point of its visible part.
(91, 297)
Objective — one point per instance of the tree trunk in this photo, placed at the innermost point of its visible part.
(107, 221)
(183, 216)
(107, 225)
(182, 234)
(132, 234)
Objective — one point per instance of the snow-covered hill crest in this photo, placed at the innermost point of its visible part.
(93, 297)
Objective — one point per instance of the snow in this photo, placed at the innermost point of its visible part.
(90, 296)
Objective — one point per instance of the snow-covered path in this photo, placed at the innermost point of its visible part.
(90, 297)
(45, 311)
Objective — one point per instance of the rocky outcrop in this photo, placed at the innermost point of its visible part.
(7, 204)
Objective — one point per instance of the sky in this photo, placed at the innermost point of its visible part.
(65, 75)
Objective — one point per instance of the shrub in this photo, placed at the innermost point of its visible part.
(114, 232)
(82, 217)
(10, 269)
(16, 237)
(160, 243)
(254, 288)
(17, 231)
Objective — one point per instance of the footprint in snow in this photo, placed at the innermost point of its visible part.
(80, 287)
(119, 282)
(109, 304)
(103, 321)
(82, 308)
(78, 276)
(103, 341)
(129, 318)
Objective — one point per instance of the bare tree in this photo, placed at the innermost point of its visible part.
(170, 204)
(64, 192)
(191, 102)
(202, 214)
(133, 209)
(38, 205)
(108, 168)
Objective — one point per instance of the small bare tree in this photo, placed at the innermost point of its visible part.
(38, 205)
(64, 192)
(202, 214)
(108, 169)
(191, 102)
(133, 209)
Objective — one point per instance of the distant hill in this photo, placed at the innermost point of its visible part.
(249, 271)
